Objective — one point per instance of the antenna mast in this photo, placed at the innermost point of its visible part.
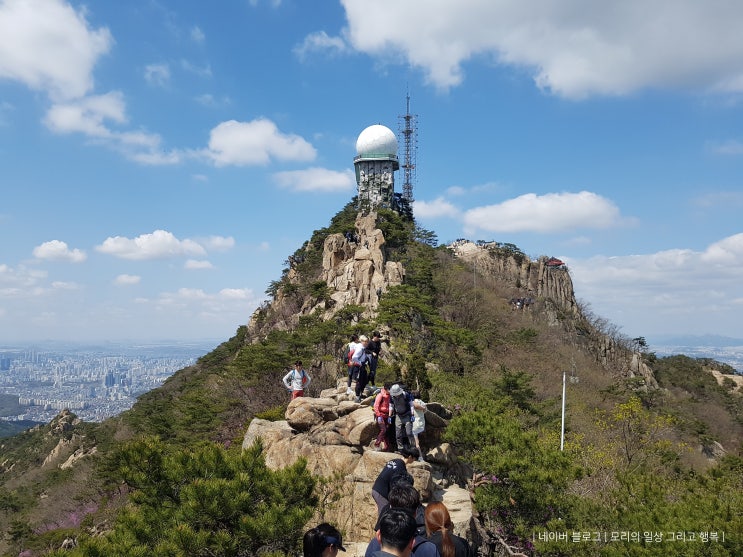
(409, 130)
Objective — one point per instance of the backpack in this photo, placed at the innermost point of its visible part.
(304, 377)
(401, 403)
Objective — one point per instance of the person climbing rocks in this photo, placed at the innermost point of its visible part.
(375, 347)
(383, 415)
(402, 405)
(439, 531)
(419, 423)
(350, 351)
(360, 361)
(394, 470)
(297, 380)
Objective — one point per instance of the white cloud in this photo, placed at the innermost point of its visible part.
(210, 101)
(48, 46)
(56, 250)
(315, 179)
(197, 35)
(19, 279)
(730, 147)
(552, 212)
(127, 280)
(192, 264)
(676, 290)
(62, 285)
(727, 199)
(320, 41)
(158, 245)
(157, 74)
(255, 143)
(726, 252)
(91, 117)
(272, 3)
(87, 115)
(573, 49)
(218, 243)
(201, 71)
(439, 207)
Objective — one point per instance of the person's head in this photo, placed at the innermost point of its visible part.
(354, 338)
(363, 339)
(298, 364)
(396, 390)
(437, 517)
(324, 540)
(387, 385)
(397, 530)
(375, 335)
(409, 454)
(438, 520)
(404, 496)
(415, 394)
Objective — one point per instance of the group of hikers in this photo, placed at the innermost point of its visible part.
(404, 525)
(393, 403)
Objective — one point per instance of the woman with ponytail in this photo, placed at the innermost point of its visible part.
(439, 530)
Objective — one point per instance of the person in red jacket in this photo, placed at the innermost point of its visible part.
(383, 415)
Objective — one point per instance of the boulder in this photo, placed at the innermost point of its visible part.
(269, 432)
(305, 412)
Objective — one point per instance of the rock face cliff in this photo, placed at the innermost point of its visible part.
(535, 279)
(335, 435)
(354, 268)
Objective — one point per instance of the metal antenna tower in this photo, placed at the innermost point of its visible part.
(408, 124)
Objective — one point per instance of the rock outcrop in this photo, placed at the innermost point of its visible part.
(531, 278)
(335, 435)
(354, 268)
(357, 271)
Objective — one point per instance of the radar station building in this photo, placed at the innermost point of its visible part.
(375, 164)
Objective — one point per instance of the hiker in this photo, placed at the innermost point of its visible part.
(393, 470)
(405, 498)
(297, 380)
(396, 536)
(439, 529)
(375, 347)
(402, 405)
(351, 350)
(383, 415)
(419, 423)
(324, 540)
(360, 361)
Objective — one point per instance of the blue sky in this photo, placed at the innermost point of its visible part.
(159, 160)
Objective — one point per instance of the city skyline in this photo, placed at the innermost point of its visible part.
(161, 160)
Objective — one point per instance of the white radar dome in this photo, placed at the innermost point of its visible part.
(376, 140)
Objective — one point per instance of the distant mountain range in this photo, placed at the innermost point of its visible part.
(716, 341)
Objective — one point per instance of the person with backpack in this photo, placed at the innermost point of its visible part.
(350, 351)
(297, 380)
(374, 348)
(419, 424)
(402, 404)
(383, 416)
(395, 469)
(360, 361)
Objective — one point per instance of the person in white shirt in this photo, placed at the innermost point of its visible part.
(297, 380)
